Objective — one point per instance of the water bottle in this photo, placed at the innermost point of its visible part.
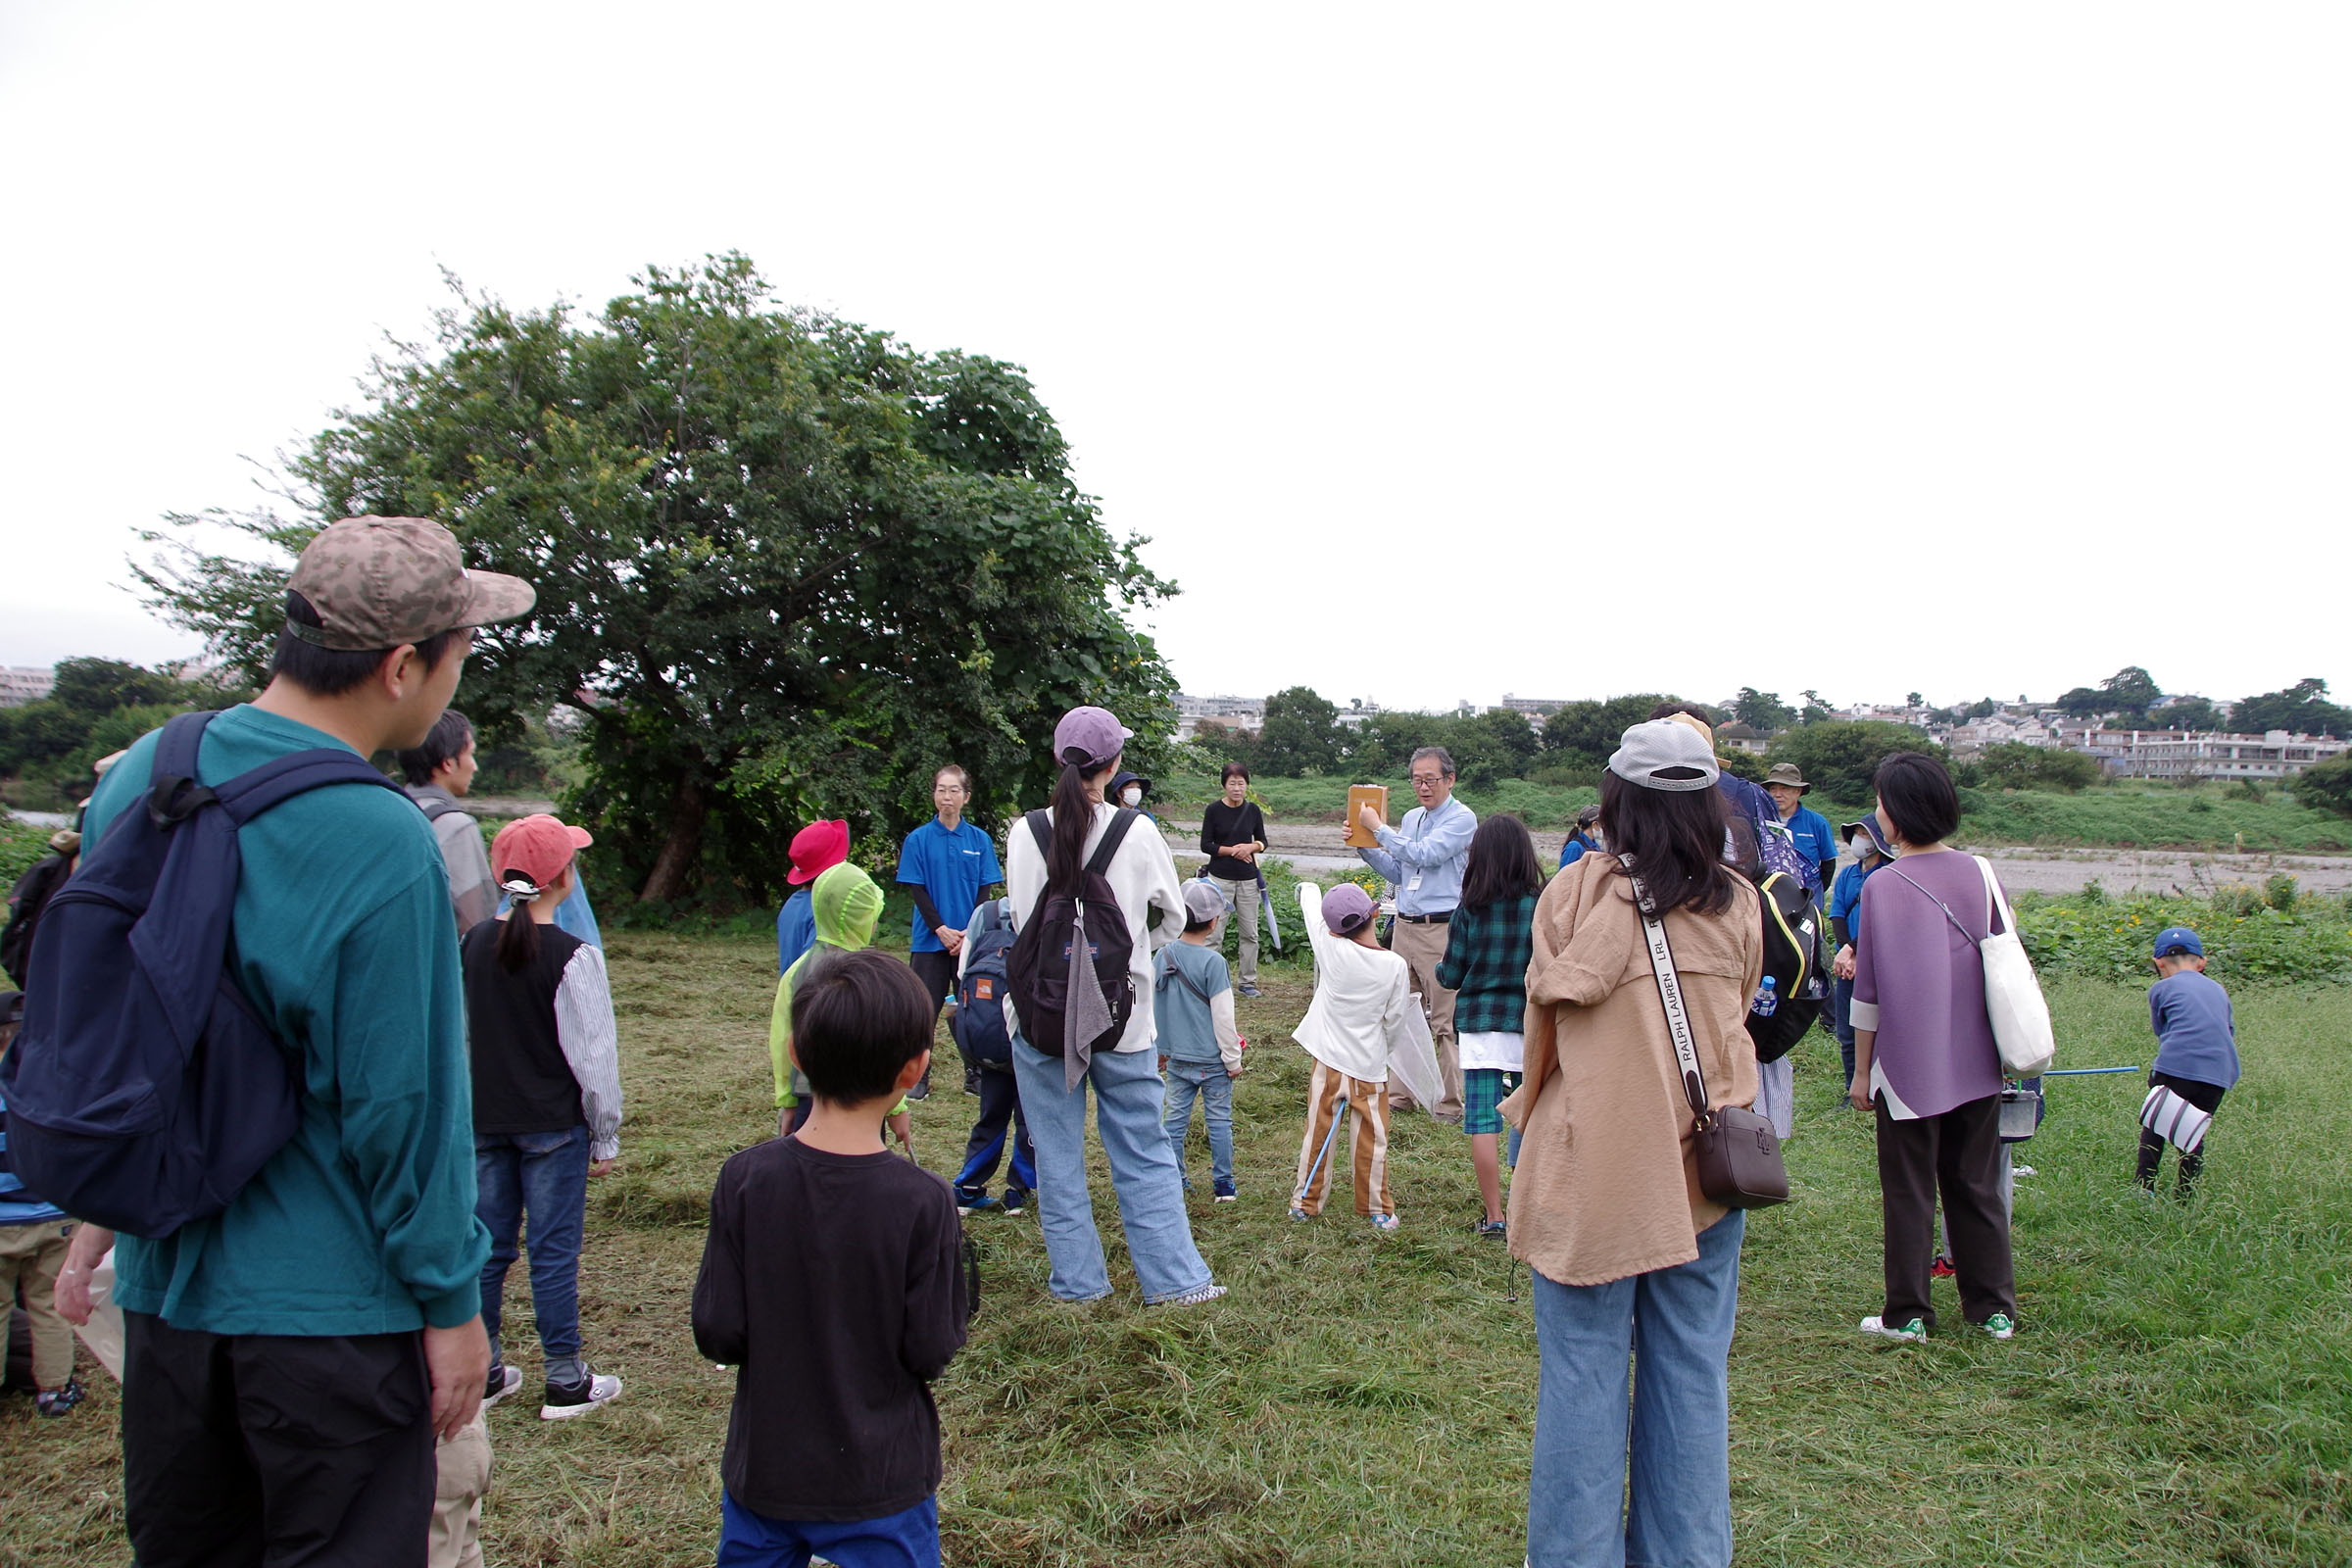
(1768, 998)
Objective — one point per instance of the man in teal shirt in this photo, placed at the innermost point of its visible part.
(289, 1361)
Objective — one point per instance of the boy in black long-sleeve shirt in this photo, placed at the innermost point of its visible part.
(832, 1280)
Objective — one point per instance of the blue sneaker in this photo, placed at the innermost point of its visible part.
(1017, 1200)
(982, 1204)
(1225, 1192)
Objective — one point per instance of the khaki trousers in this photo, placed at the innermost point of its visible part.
(463, 1465)
(1245, 921)
(1329, 1093)
(1422, 947)
(33, 1256)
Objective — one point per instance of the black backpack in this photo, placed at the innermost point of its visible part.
(1792, 958)
(144, 1090)
(1039, 967)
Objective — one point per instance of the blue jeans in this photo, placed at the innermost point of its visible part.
(546, 1176)
(1142, 1171)
(1676, 1325)
(908, 1538)
(1207, 1080)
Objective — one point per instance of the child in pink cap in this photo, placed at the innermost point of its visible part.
(546, 1064)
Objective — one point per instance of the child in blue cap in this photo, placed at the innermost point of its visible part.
(2196, 1056)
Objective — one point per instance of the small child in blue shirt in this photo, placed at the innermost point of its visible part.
(1199, 1048)
(2196, 1045)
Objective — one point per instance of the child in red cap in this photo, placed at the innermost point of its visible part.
(546, 1100)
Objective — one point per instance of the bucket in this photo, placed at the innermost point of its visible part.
(2021, 1113)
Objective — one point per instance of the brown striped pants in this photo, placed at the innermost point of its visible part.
(1329, 1092)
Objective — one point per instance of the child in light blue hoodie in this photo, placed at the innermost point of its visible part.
(1200, 1047)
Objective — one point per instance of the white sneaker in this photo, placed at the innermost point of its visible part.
(1999, 1326)
(1912, 1333)
(503, 1381)
(564, 1402)
(2021, 1170)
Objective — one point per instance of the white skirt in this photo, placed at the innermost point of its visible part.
(1493, 1048)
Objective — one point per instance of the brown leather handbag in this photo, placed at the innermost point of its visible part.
(1737, 1156)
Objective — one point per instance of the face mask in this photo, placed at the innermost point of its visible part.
(1132, 795)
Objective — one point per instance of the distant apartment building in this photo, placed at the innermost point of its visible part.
(2182, 754)
(2000, 729)
(1220, 712)
(1538, 707)
(24, 683)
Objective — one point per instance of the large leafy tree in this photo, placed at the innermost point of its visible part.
(2302, 707)
(1302, 735)
(1762, 712)
(786, 565)
(1843, 756)
(1588, 730)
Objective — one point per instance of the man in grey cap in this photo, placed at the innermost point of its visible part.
(290, 1361)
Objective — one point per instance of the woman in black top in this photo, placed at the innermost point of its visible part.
(1232, 834)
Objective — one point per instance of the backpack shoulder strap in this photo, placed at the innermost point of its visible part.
(1098, 862)
(173, 793)
(1040, 828)
(281, 778)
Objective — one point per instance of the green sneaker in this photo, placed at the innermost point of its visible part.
(1999, 1326)
(1912, 1333)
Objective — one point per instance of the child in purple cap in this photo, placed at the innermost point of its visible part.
(1350, 1029)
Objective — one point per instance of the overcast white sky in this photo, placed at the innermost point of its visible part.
(1441, 351)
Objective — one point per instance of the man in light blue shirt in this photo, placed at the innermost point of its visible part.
(1425, 857)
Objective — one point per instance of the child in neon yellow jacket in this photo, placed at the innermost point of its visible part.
(846, 904)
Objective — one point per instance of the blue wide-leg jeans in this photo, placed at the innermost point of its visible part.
(1674, 1325)
(1128, 1108)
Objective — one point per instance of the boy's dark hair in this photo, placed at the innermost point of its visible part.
(1502, 864)
(856, 1019)
(1233, 769)
(1919, 798)
(1191, 925)
(448, 736)
(332, 671)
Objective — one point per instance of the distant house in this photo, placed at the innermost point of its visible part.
(1742, 737)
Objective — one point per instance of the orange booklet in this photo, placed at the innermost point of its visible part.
(1376, 796)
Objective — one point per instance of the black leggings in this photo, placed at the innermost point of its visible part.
(2207, 1097)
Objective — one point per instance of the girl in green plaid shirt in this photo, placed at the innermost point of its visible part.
(1488, 945)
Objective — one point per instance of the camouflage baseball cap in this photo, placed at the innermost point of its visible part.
(377, 582)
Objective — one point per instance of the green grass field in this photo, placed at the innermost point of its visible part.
(2176, 1393)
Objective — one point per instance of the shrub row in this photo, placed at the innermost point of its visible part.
(2250, 937)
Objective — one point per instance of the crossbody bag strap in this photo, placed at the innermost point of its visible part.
(1670, 996)
(1972, 940)
(1187, 980)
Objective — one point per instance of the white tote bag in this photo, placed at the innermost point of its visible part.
(2021, 1016)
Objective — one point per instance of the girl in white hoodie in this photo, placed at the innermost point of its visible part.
(1350, 1029)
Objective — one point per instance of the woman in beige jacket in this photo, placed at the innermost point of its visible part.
(1630, 1261)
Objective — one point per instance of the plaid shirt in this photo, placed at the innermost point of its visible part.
(1486, 953)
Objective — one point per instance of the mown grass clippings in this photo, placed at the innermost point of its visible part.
(2175, 1393)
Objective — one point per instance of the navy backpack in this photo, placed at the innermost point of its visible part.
(144, 1090)
(978, 1026)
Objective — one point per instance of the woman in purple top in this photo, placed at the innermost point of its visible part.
(1924, 1058)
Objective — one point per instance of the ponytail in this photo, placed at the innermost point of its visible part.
(517, 934)
(1073, 817)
